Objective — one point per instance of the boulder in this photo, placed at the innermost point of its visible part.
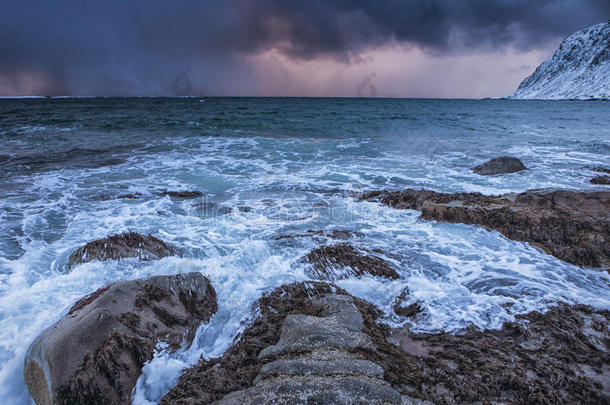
(339, 261)
(571, 225)
(129, 244)
(601, 180)
(95, 353)
(500, 165)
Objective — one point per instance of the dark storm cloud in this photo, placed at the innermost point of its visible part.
(306, 29)
(143, 46)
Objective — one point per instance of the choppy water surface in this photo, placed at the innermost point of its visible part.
(282, 166)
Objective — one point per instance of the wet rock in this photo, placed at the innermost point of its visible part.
(133, 196)
(500, 165)
(182, 194)
(601, 170)
(561, 356)
(212, 379)
(571, 225)
(601, 180)
(130, 244)
(314, 343)
(334, 234)
(403, 308)
(334, 262)
(305, 356)
(94, 354)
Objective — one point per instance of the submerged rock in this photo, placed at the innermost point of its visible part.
(182, 194)
(600, 180)
(130, 244)
(601, 170)
(334, 262)
(94, 354)
(500, 165)
(314, 343)
(300, 350)
(131, 196)
(334, 234)
(571, 225)
(403, 308)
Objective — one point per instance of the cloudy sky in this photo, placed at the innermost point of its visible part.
(386, 48)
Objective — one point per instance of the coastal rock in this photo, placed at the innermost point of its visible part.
(182, 194)
(600, 180)
(500, 165)
(129, 244)
(94, 354)
(571, 225)
(334, 234)
(314, 343)
(130, 196)
(561, 356)
(335, 262)
(402, 306)
(300, 350)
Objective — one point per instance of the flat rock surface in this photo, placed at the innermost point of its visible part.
(571, 225)
(121, 246)
(94, 354)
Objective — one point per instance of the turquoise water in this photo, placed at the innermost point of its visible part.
(271, 167)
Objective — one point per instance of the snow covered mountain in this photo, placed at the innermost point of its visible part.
(579, 69)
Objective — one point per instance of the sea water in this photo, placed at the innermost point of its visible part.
(271, 167)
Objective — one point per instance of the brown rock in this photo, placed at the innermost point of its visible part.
(130, 244)
(182, 194)
(299, 351)
(334, 234)
(500, 165)
(573, 226)
(561, 356)
(314, 343)
(334, 262)
(94, 354)
(600, 180)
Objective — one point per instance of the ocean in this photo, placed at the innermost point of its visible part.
(271, 167)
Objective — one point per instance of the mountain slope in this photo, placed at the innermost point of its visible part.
(579, 69)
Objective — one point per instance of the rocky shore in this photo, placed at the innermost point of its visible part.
(571, 225)
(313, 342)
